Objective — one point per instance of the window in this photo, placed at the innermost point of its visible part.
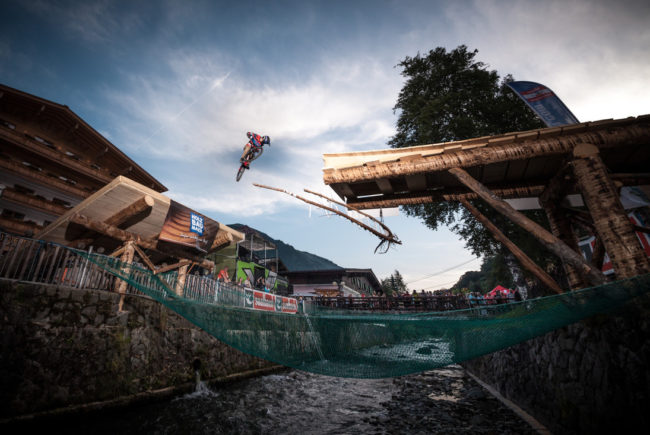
(32, 166)
(10, 214)
(72, 155)
(7, 124)
(45, 142)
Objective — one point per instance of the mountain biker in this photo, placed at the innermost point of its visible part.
(255, 140)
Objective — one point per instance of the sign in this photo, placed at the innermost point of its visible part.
(289, 305)
(258, 300)
(263, 301)
(196, 223)
(186, 231)
(546, 105)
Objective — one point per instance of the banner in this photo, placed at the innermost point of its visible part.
(185, 230)
(546, 105)
(259, 300)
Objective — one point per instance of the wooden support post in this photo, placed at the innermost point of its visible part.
(561, 228)
(610, 219)
(559, 222)
(127, 259)
(552, 243)
(180, 282)
(525, 261)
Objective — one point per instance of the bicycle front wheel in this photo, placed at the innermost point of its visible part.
(241, 171)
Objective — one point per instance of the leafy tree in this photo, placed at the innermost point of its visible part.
(451, 96)
(394, 284)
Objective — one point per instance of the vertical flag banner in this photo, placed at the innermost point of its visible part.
(546, 105)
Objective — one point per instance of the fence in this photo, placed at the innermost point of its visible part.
(30, 260)
(399, 303)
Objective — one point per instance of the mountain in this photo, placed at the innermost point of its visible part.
(293, 259)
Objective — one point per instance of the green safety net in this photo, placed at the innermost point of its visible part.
(358, 344)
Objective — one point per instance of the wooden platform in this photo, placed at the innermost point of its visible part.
(112, 199)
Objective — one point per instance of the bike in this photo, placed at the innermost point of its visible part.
(251, 155)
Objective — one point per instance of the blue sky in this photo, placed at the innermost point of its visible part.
(176, 85)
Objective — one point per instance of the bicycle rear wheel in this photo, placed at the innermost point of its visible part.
(241, 171)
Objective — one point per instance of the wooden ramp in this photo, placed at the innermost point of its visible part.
(125, 209)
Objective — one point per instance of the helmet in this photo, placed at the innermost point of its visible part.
(266, 140)
(249, 134)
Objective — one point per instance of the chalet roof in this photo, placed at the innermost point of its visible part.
(512, 165)
(59, 116)
(328, 273)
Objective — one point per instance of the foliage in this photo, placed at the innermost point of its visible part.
(450, 96)
(493, 272)
(394, 284)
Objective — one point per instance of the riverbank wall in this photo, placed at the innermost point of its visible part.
(590, 377)
(63, 348)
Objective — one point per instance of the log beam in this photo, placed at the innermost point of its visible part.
(524, 260)
(552, 243)
(126, 260)
(138, 207)
(110, 231)
(610, 219)
(558, 220)
(180, 280)
(221, 241)
(388, 201)
(509, 151)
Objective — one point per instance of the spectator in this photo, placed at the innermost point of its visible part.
(223, 275)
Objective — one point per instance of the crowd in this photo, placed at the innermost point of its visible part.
(260, 284)
(441, 300)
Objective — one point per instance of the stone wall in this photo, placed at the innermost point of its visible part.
(589, 377)
(61, 347)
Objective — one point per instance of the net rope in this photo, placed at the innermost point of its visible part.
(358, 344)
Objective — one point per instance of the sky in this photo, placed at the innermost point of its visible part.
(177, 84)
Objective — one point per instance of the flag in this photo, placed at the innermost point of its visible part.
(546, 105)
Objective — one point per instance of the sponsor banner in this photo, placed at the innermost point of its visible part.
(263, 301)
(258, 300)
(185, 230)
(587, 245)
(289, 305)
(546, 105)
(248, 298)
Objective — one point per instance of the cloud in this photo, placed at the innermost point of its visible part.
(91, 21)
(591, 53)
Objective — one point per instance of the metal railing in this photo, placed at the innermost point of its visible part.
(37, 261)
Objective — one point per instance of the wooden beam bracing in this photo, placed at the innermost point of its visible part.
(525, 261)
(551, 242)
(388, 201)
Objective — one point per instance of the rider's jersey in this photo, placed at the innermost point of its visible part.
(255, 140)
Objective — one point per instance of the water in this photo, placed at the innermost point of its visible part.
(294, 402)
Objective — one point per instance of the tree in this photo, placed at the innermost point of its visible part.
(394, 284)
(450, 96)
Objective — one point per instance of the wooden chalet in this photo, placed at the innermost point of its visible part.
(334, 282)
(51, 160)
(593, 159)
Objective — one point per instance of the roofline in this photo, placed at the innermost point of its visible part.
(161, 187)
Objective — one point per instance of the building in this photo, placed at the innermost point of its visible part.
(334, 282)
(51, 160)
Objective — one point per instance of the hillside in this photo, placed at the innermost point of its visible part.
(292, 258)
